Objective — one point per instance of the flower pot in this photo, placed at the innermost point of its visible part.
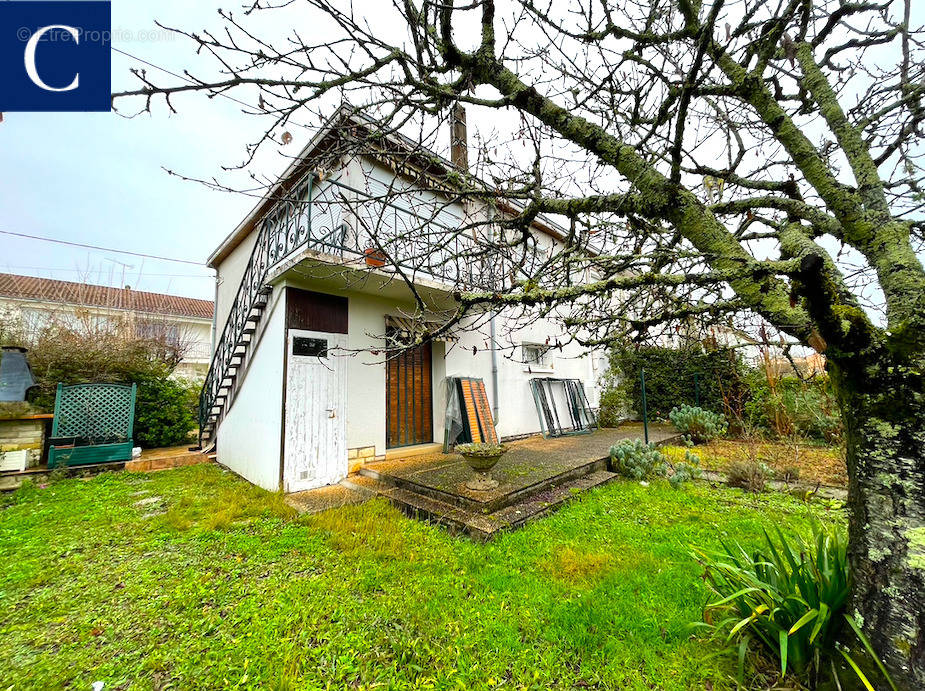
(374, 257)
(482, 465)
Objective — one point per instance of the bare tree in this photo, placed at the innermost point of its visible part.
(707, 159)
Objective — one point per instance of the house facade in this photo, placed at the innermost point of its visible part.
(29, 304)
(336, 344)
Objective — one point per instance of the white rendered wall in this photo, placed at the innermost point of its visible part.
(516, 407)
(366, 370)
(229, 274)
(249, 435)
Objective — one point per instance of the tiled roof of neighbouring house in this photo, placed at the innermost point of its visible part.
(73, 293)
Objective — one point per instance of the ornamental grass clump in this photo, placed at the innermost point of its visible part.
(698, 424)
(790, 599)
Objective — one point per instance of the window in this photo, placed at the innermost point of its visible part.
(536, 356)
(162, 332)
(309, 347)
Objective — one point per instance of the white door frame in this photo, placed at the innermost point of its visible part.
(315, 431)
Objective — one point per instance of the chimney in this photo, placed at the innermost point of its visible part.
(459, 149)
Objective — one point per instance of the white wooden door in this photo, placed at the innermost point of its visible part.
(316, 410)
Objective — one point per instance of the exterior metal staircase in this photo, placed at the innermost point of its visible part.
(285, 229)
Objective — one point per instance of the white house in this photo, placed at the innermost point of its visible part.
(30, 303)
(321, 280)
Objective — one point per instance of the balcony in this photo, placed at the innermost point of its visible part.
(340, 230)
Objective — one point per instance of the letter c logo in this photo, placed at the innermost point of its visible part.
(30, 57)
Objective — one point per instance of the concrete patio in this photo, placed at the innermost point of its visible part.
(535, 477)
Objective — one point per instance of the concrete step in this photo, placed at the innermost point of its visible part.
(152, 461)
(364, 483)
(482, 526)
(487, 504)
(329, 497)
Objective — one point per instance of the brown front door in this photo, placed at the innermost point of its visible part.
(408, 397)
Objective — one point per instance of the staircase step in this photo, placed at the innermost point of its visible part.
(362, 481)
(517, 514)
(419, 506)
(486, 526)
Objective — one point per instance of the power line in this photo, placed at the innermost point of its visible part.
(103, 249)
(180, 76)
(57, 269)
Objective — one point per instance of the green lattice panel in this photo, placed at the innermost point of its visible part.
(98, 412)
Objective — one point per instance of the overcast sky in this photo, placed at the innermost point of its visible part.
(98, 178)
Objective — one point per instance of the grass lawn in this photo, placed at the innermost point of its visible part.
(192, 578)
(823, 464)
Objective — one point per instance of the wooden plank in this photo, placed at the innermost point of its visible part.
(315, 311)
(484, 410)
(475, 429)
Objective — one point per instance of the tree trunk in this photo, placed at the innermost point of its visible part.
(882, 399)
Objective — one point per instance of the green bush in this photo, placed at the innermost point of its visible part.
(698, 424)
(686, 470)
(164, 411)
(670, 380)
(790, 598)
(636, 460)
(614, 408)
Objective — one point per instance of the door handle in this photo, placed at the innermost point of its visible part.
(332, 413)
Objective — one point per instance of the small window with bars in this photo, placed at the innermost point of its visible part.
(536, 356)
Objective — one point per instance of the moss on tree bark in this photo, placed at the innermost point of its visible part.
(882, 399)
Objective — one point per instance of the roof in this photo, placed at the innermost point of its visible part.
(89, 295)
(344, 116)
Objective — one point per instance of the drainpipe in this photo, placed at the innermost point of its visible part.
(213, 344)
(494, 372)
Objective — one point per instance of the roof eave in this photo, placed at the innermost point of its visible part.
(244, 228)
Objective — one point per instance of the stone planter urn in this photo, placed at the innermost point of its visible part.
(481, 458)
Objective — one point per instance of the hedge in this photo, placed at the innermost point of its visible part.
(670, 379)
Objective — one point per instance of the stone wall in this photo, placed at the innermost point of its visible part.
(24, 434)
(360, 456)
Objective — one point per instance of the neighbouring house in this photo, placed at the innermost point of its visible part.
(312, 374)
(29, 304)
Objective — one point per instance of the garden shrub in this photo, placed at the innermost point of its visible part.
(789, 598)
(14, 409)
(806, 408)
(85, 351)
(636, 460)
(698, 424)
(614, 407)
(164, 411)
(686, 470)
(670, 379)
